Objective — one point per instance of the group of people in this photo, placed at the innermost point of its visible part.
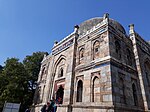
(51, 106)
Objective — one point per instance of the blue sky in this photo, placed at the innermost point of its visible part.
(27, 26)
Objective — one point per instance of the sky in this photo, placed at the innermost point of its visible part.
(28, 26)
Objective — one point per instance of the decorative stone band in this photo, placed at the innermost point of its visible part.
(99, 107)
(93, 34)
(93, 64)
(143, 44)
(90, 107)
(111, 107)
(94, 28)
(62, 47)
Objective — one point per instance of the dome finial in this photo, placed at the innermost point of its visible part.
(131, 26)
(55, 42)
(106, 15)
(76, 27)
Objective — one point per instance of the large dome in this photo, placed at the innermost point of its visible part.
(88, 24)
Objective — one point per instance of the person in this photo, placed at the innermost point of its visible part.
(59, 100)
(48, 107)
(43, 109)
(54, 106)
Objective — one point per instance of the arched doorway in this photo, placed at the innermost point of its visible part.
(79, 91)
(96, 90)
(60, 94)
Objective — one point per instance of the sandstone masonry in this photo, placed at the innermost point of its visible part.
(97, 68)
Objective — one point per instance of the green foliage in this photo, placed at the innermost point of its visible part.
(13, 82)
(1, 68)
(32, 65)
(18, 80)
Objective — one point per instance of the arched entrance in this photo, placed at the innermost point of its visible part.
(79, 91)
(60, 94)
(96, 90)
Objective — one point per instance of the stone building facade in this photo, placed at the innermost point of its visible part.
(97, 68)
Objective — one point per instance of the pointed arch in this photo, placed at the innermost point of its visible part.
(96, 49)
(128, 56)
(134, 92)
(147, 71)
(43, 93)
(55, 71)
(61, 72)
(122, 91)
(81, 55)
(61, 57)
(79, 91)
(118, 49)
(96, 89)
(42, 73)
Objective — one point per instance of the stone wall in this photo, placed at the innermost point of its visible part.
(142, 56)
(101, 70)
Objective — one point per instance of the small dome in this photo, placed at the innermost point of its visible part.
(88, 24)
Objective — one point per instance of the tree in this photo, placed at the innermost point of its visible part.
(18, 80)
(1, 68)
(32, 65)
(14, 82)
